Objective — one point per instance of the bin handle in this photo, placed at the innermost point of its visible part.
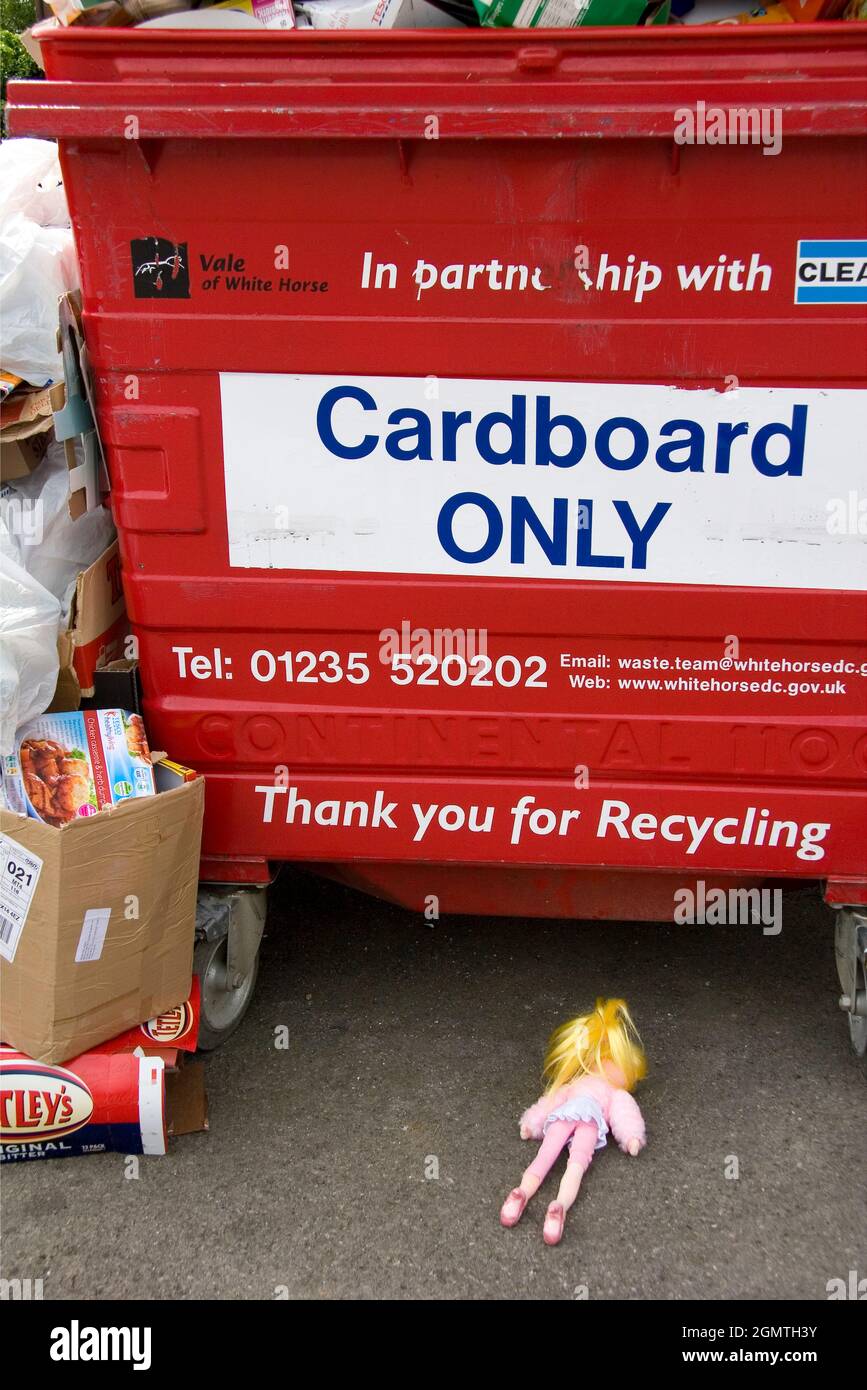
(538, 59)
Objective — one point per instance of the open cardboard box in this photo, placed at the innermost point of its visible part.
(97, 918)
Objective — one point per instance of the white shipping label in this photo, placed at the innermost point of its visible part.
(18, 880)
(759, 486)
(93, 931)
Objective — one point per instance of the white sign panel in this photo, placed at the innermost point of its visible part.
(546, 480)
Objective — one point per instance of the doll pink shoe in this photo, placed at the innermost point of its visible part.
(513, 1208)
(555, 1220)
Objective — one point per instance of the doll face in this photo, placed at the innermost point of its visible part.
(613, 1074)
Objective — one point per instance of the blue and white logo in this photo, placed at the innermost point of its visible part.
(831, 272)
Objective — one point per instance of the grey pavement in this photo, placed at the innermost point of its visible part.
(369, 1158)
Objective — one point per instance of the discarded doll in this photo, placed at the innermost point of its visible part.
(592, 1065)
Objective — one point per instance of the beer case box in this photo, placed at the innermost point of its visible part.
(97, 920)
(127, 1102)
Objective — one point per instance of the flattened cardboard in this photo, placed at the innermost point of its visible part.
(98, 621)
(29, 419)
(96, 630)
(30, 406)
(21, 457)
(140, 857)
(186, 1100)
(26, 419)
(67, 692)
(77, 418)
(31, 38)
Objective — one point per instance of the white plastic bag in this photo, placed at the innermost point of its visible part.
(29, 627)
(37, 266)
(42, 536)
(31, 182)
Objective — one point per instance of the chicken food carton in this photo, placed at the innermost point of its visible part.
(76, 764)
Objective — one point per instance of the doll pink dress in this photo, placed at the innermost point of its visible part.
(581, 1115)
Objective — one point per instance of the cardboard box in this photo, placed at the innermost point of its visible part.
(26, 429)
(129, 1095)
(97, 921)
(30, 419)
(21, 457)
(96, 631)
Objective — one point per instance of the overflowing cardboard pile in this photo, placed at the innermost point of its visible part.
(99, 843)
(130, 1095)
(26, 428)
(43, 429)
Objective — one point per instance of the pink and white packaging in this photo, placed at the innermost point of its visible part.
(274, 14)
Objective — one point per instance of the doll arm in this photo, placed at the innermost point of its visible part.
(534, 1118)
(627, 1122)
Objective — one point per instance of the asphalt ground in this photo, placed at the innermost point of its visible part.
(368, 1158)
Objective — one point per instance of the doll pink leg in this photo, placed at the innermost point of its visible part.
(580, 1158)
(550, 1149)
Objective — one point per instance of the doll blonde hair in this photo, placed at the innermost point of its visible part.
(584, 1044)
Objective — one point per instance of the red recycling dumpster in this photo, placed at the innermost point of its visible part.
(485, 416)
